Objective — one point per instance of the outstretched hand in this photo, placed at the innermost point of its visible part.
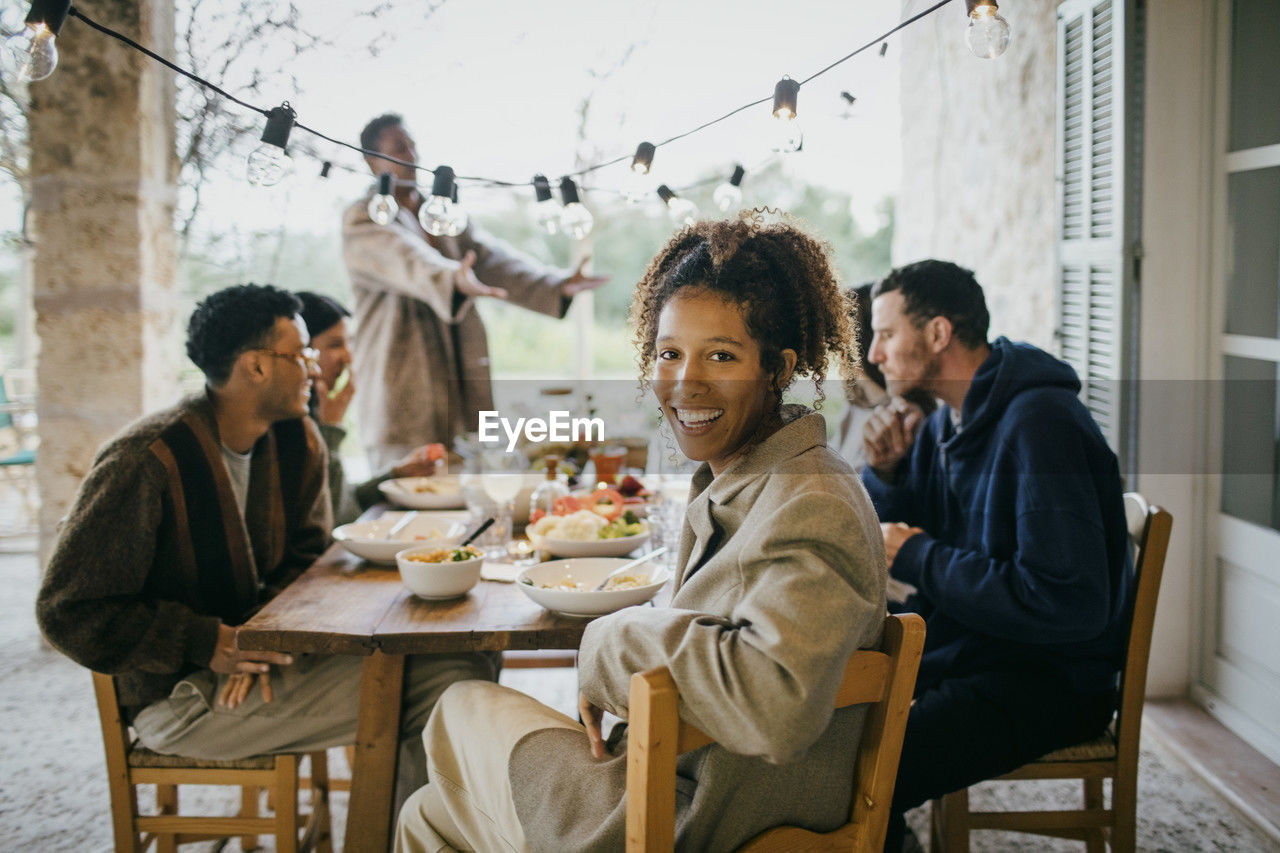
(464, 279)
(580, 282)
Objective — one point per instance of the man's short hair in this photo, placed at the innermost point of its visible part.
(320, 312)
(233, 320)
(934, 288)
(373, 130)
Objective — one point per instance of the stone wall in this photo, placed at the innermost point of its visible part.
(102, 193)
(978, 184)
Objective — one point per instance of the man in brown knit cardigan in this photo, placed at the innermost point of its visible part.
(189, 521)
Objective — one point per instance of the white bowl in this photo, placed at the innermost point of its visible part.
(368, 539)
(437, 581)
(618, 547)
(446, 492)
(589, 571)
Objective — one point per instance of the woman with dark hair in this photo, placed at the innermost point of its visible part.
(865, 391)
(326, 320)
(780, 576)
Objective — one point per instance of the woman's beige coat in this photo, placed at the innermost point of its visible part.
(783, 576)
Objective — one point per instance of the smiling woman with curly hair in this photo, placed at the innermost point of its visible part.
(780, 576)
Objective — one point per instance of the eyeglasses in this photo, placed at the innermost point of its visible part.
(310, 357)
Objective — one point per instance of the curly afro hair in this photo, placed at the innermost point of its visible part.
(780, 276)
(233, 320)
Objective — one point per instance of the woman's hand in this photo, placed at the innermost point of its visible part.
(591, 717)
(331, 410)
(420, 463)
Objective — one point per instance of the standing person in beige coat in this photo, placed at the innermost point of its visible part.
(780, 576)
(422, 352)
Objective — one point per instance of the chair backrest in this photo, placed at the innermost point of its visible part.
(1149, 528)
(656, 737)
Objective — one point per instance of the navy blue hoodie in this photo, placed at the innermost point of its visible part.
(1025, 558)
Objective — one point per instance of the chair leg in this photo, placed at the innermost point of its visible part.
(285, 790)
(949, 823)
(124, 808)
(318, 823)
(249, 796)
(167, 803)
(1094, 840)
(1124, 801)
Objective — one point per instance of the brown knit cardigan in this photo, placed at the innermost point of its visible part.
(154, 553)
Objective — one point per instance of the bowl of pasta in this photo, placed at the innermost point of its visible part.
(569, 586)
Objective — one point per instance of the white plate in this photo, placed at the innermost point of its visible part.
(619, 547)
(368, 539)
(404, 491)
(589, 571)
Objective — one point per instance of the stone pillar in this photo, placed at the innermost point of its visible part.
(103, 186)
(978, 161)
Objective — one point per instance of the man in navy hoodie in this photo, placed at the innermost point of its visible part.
(1004, 510)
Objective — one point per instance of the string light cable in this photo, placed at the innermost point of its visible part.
(45, 10)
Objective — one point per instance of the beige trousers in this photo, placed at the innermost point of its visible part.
(468, 740)
(313, 707)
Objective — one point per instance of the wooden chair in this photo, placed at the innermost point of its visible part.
(130, 764)
(656, 736)
(1112, 755)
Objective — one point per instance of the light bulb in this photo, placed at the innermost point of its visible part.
(441, 215)
(383, 207)
(29, 55)
(728, 195)
(575, 219)
(268, 164)
(639, 183)
(681, 210)
(988, 32)
(545, 210)
(786, 133)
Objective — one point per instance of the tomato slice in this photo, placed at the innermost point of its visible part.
(612, 497)
(566, 505)
(536, 515)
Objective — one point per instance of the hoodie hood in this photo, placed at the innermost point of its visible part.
(1010, 369)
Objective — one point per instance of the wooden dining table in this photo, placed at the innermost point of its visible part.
(344, 606)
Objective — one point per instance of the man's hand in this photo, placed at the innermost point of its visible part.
(331, 410)
(580, 282)
(229, 659)
(591, 717)
(888, 435)
(237, 688)
(464, 279)
(894, 535)
(420, 463)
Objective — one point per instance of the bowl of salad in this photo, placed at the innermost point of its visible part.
(440, 572)
(598, 525)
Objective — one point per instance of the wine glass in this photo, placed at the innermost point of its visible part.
(502, 479)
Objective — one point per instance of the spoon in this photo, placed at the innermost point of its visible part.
(484, 525)
(402, 523)
(626, 567)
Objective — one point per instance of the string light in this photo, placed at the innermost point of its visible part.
(32, 53)
(383, 207)
(545, 211)
(441, 215)
(324, 168)
(269, 162)
(639, 181)
(988, 32)
(681, 210)
(787, 135)
(728, 196)
(575, 219)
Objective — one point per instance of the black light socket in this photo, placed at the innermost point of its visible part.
(51, 13)
(541, 188)
(569, 191)
(785, 95)
(279, 123)
(384, 184)
(665, 193)
(442, 185)
(644, 157)
(738, 172)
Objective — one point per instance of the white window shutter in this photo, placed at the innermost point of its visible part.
(1099, 99)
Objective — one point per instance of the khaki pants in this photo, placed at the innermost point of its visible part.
(468, 740)
(313, 707)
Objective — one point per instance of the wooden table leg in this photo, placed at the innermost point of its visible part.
(373, 779)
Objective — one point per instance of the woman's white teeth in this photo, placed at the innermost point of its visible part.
(701, 416)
